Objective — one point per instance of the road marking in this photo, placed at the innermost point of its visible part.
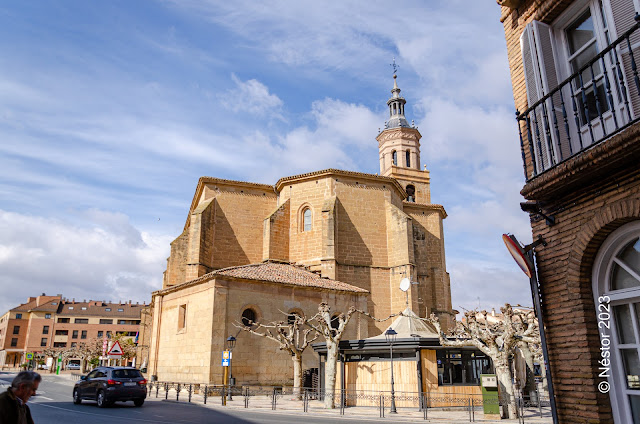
(101, 415)
(42, 397)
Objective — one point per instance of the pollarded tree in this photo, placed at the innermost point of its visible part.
(332, 328)
(497, 340)
(291, 337)
(89, 351)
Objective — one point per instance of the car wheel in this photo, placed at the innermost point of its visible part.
(76, 397)
(102, 402)
(138, 402)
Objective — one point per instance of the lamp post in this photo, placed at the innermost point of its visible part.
(231, 343)
(391, 335)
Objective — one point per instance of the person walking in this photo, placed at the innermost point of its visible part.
(13, 402)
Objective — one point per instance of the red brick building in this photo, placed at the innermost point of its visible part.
(574, 70)
(53, 321)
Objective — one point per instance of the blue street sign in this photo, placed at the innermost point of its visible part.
(226, 357)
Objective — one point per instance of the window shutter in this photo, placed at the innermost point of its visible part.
(540, 78)
(623, 12)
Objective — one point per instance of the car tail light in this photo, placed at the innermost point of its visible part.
(113, 382)
(142, 382)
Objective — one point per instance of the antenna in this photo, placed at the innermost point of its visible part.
(405, 285)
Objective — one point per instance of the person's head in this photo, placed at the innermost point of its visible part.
(25, 384)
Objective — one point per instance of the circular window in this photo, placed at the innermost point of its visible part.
(291, 318)
(249, 317)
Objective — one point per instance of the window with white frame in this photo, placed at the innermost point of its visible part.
(600, 96)
(616, 288)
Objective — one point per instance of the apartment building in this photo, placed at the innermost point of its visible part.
(576, 86)
(55, 322)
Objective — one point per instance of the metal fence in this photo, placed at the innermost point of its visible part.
(442, 406)
(594, 103)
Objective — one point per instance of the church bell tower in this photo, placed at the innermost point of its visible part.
(399, 150)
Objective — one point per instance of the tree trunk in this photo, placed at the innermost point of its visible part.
(330, 375)
(543, 372)
(297, 375)
(507, 395)
(530, 383)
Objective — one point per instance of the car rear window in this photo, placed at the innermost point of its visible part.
(126, 374)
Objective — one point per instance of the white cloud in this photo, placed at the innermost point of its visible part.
(105, 258)
(252, 97)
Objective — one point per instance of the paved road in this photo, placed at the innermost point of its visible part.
(53, 405)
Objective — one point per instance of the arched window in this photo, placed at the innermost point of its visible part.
(306, 219)
(249, 317)
(408, 158)
(616, 289)
(411, 193)
(394, 157)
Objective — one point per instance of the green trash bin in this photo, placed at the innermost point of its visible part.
(490, 398)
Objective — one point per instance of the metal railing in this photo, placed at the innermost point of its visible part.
(427, 406)
(585, 109)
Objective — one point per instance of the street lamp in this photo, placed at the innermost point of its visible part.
(391, 335)
(231, 343)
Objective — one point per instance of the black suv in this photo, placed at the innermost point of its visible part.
(107, 385)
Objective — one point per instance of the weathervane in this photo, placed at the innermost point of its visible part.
(394, 66)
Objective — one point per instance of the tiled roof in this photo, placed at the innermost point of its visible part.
(286, 274)
(130, 311)
(390, 180)
(281, 273)
(48, 306)
(25, 306)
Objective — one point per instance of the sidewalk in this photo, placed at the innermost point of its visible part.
(287, 405)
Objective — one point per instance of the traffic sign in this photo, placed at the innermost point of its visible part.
(226, 358)
(29, 356)
(116, 349)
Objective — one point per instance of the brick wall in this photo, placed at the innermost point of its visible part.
(590, 196)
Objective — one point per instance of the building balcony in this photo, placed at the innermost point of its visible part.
(568, 126)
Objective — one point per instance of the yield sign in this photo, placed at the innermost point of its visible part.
(116, 349)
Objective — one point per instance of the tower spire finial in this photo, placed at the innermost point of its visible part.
(395, 67)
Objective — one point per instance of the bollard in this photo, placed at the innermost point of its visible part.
(273, 400)
(246, 397)
(224, 398)
(190, 389)
(469, 406)
(206, 393)
(157, 389)
(473, 411)
(166, 391)
(305, 401)
(539, 401)
(341, 402)
(424, 406)
(178, 393)
(381, 406)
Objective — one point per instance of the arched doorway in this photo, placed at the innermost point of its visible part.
(616, 288)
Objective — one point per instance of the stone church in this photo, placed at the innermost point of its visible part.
(257, 252)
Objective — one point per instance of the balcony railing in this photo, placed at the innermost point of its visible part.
(599, 100)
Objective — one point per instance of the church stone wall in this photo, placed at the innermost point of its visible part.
(276, 234)
(183, 354)
(362, 226)
(213, 311)
(177, 261)
(428, 244)
(238, 228)
(306, 246)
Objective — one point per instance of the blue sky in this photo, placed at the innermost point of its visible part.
(111, 111)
